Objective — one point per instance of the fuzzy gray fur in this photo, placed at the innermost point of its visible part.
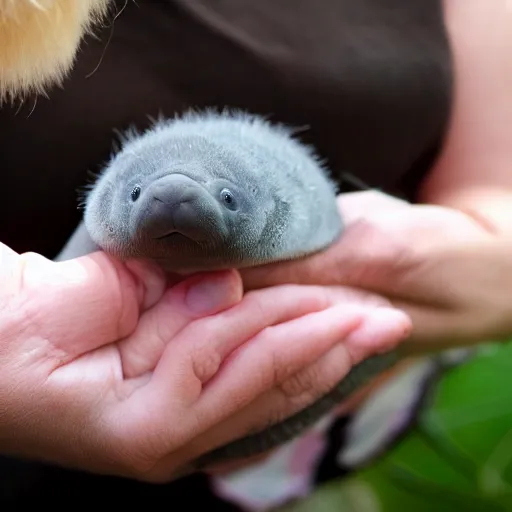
(285, 200)
(285, 208)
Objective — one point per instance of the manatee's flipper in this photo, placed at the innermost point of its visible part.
(295, 425)
(79, 244)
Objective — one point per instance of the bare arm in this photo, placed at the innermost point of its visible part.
(474, 172)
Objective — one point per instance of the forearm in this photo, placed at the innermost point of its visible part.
(474, 171)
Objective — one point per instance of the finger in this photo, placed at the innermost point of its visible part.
(275, 354)
(380, 330)
(357, 257)
(205, 344)
(199, 350)
(287, 272)
(320, 268)
(164, 403)
(195, 297)
(326, 265)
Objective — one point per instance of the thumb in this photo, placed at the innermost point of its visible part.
(80, 304)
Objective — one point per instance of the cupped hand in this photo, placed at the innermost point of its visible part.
(107, 368)
(447, 269)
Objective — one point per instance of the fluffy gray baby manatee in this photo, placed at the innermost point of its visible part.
(210, 191)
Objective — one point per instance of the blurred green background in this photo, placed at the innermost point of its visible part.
(456, 457)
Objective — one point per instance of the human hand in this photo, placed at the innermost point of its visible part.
(450, 273)
(103, 367)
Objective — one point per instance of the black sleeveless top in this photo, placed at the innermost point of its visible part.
(369, 81)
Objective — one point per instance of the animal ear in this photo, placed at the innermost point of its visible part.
(39, 40)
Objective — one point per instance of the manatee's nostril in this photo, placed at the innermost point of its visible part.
(161, 215)
(173, 197)
(175, 210)
(178, 204)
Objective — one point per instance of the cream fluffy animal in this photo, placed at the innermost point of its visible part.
(39, 40)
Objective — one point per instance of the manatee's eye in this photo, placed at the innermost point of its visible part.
(228, 199)
(135, 193)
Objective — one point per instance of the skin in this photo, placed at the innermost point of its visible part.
(216, 191)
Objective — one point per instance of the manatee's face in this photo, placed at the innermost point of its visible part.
(184, 204)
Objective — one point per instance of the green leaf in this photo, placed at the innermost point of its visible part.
(458, 456)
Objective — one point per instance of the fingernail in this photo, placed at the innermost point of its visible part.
(211, 293)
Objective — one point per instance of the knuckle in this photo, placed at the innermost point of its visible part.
(205, 362)
(274, 370)
(299, 384)
(305, 386)
(282, 371)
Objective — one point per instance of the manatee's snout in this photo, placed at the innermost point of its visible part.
(178, 204)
